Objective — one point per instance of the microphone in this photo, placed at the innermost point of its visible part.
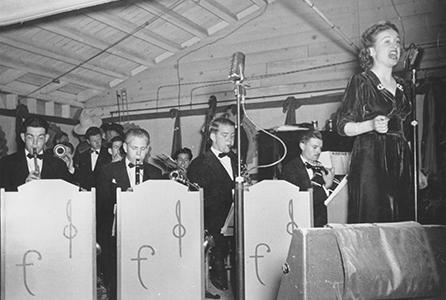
(237, 67)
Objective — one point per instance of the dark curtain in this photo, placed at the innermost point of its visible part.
(176, 140)
(433, 152)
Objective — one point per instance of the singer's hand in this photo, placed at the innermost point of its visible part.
(328, 178)
(32, 176)
(422, 180)
(380, 124)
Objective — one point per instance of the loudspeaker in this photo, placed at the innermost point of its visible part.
(366, 261)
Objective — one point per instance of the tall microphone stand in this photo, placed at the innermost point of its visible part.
(239, 202)
(414, 124)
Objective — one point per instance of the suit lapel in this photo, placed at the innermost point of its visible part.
(218, 166)
(22, 166)
(102, 159)
(45, 167)
(302, 170)
(146, 175)
(122, 178)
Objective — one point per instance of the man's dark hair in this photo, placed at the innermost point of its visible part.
(217, 122)
(117, 138)
(309, 135)
(92, 131)
(69, 145)
(113, 127)
(183, 151)
(35, 121)
(139, 132)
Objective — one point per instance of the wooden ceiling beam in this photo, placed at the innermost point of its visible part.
(127, 27)
(262, 3)
(63, 58)
(218, 10)
(95, 42)
(53, 87)
(49, 73)
(173, 18)
(87, 95)
(10, 75)
(19, 11)
(59, 98)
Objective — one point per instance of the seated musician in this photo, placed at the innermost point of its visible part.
(306, 172)
(183, 158)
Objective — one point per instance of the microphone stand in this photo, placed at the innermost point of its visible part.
(239, 202)
(414, 124)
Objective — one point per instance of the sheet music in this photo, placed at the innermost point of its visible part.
(228, 227)
(336, 190)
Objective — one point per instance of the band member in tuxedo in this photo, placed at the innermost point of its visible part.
(305, 171)
(32, 163)
(231, 114)
(183, 158)
(124, 174)
(111, 130)
(115, 149)
(90, 162)
(214, 172)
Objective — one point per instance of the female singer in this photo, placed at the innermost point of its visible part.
(374, 107)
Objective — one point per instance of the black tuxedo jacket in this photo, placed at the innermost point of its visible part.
(112, 176)
(207, 171)
(14, 170)
(84, 175)
(295, 172)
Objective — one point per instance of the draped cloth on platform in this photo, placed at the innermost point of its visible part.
(386, 261)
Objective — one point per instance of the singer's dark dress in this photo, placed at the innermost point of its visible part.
(379, 181)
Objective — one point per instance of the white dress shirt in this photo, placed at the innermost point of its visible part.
(94, 158)
(31, 163)
(225, 161)
(131, 172)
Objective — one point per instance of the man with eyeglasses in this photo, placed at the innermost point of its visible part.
(32, 163)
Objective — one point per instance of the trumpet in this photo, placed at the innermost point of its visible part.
(179, 176)
(319, 170)
(60, 150)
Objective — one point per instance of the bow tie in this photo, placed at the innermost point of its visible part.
(132, 165)
(308, 165)
(94, 151)
(223, 154)
(30, 156)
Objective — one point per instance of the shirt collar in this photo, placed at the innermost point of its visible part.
(27, 152)
(215, 151)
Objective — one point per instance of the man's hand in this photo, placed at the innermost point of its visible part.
(33, 176)
(328, 178)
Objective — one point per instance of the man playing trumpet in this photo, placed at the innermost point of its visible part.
(31, 163)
